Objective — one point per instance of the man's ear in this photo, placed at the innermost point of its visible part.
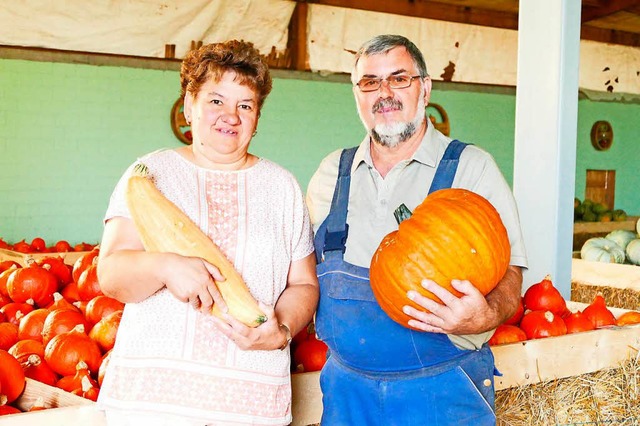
(426, 89)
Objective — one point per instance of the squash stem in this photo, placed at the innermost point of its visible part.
(140, 170)
(402, 213)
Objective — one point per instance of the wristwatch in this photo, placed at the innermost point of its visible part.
(287, 331)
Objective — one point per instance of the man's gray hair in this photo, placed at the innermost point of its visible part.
(384, 43)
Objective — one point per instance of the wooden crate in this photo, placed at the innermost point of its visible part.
(523, 363)
(22, 258)
(53, 397)
(80, 415)
(582, 231)
(541, 360)
(618, 284)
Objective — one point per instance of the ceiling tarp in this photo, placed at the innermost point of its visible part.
(454, 52)
(143, 27)
(459, 52)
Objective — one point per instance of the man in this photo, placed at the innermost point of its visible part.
(379, 372)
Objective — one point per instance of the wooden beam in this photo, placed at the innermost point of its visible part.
(609, 8)
(609, 36)
(593, 3)
(297, 42)
(429, 10)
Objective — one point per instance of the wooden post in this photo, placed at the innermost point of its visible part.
(169, 51)
(297, 43)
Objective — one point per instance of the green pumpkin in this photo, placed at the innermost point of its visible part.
(602, 250)
(621, 237)
(633, 251)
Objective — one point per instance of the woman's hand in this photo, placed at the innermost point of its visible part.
(267, 336)
(193, 280)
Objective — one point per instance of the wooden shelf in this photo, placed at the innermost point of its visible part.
(582, 231)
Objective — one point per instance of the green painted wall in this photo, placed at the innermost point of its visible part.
(68, 131)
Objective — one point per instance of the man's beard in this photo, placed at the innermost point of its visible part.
(391, 135)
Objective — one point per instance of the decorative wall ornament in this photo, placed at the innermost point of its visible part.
(601, 135)
(179, 124)
(443, 125)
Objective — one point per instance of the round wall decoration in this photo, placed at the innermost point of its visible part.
(601, 135)
(443, 125)
(179, 124)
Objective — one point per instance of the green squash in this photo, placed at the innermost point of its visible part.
(602, 250)
(633, 251)
(621, 237)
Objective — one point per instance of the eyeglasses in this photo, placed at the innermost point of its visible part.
(398, 81)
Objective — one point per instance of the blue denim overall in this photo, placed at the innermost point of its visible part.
(379, 372)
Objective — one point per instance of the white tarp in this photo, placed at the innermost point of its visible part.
(454, 52)
(475, 54)
(143, 27)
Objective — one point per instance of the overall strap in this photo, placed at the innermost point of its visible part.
(337, 228)
(446, 170)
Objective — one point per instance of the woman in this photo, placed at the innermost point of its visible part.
(171, 355)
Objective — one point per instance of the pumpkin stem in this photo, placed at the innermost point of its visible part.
(402, 213)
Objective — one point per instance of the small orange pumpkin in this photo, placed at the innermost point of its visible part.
(455, 234)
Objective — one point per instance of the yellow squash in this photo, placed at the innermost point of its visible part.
(163, 227)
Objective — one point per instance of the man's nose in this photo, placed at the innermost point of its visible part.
(385, 89)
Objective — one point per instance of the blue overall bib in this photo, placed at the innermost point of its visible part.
(379, 372)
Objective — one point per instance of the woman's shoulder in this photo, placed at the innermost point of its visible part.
(159, 156)
(275, 170)
(163, 161)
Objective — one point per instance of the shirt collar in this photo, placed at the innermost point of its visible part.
(427, 152)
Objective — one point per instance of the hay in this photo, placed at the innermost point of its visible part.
(624, 298)
(605, 397)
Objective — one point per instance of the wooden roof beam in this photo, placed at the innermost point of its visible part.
(429, 10)
(610, 36)
(606, 8)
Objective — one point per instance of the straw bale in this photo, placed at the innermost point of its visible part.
(625, 298)
(605, 397)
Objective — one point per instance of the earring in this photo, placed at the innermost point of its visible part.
(255, 132)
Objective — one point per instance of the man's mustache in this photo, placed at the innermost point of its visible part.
(386, 103)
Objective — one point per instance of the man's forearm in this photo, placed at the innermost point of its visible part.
(504, 298)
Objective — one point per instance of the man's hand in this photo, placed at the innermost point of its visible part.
(468, 314)
(471, 313)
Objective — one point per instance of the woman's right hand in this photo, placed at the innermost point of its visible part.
(193, 280)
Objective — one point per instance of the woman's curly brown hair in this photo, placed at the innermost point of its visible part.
(215, 59)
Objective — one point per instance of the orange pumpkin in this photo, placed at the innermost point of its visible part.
(453, 234)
